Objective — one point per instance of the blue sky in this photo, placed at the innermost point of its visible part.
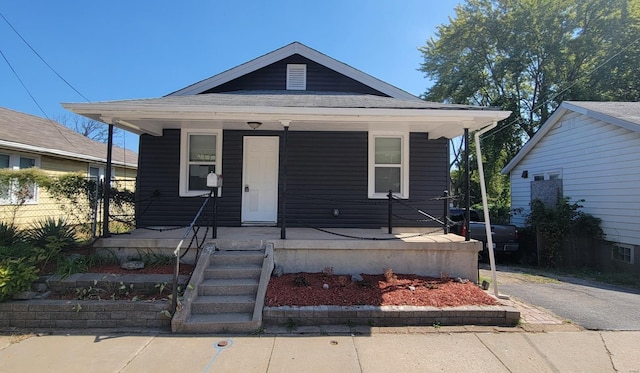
(114, 50)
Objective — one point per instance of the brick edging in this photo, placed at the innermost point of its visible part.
(391, 315)
(69, 314)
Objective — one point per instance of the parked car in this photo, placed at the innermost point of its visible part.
(504, 236)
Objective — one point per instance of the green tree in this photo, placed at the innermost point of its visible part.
(527, 56)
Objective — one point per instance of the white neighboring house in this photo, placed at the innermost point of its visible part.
(593, 150)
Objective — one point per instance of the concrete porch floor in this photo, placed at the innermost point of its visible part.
(171, 236)
(309, 250)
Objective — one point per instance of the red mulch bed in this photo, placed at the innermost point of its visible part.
(307, 289)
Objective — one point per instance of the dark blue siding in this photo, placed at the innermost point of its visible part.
(325, 171)
(274, 77)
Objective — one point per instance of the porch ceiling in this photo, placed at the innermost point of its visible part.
(304, 112)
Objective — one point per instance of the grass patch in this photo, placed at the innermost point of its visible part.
(630, 280)
(624, 279)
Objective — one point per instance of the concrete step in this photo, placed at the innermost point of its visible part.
(238, 257)
(233, 271)
(220, 323)
(228, 286)
(223, 304)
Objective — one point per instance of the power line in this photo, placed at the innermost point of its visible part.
(23, 85)
(493, 133)
(42, 59)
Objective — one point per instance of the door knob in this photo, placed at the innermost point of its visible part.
(246, 188)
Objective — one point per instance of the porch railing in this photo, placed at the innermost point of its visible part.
(415, 206)
(192, 229)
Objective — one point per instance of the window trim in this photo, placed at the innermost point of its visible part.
(616, 248)
(404, 164)
(547, 175)
(14, 164)
(184, 159)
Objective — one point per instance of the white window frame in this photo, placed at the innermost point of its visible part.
(293, 69)
(547, 175)
(404, 164)
(617, 246)
(184, 159)
(101, 171)
(14, 163)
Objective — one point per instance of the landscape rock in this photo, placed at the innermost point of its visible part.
(25, 295)
(277, 271)
(134, 264)
(356, 278)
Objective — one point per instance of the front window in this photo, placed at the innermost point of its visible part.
(388, 165)
(13, 192)
(201, 153)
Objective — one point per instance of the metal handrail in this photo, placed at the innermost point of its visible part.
(176, 253)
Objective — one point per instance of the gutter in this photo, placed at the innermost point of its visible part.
(61, 153)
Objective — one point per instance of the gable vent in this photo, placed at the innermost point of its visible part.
(297, 77)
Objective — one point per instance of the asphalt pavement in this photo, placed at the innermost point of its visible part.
(589, 304)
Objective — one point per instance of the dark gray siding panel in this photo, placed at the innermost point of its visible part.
(274, 77)
(326, 171)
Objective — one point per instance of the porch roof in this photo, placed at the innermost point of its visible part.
(306, 111)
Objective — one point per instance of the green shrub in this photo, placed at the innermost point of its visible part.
(555, 224)
(9, 234)
(52, 232)
(70, 265)
(151, 259)
(16, 251)
(16, 275)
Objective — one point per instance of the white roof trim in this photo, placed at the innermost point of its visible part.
(574, 106)
(284, 52)
(554, 118)
(60, 153)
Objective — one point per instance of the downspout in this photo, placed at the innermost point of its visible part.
(467, 188)
(485, 207)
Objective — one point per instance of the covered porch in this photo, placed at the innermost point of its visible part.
(422, 251)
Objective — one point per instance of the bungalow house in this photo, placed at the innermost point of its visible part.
(301, 140)
(30, 141)
(295, 124)
(587, 151)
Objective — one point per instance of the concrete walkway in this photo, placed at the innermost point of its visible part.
(424, 349)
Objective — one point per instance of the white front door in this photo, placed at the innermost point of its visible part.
(260, 180)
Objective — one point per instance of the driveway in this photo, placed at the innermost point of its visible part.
(589, 304)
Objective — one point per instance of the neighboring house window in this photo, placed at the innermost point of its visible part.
(553, 175)
(388, 165)
(14, 193)
(96, 173)
(200, 154)
(297, 77)
(622, 253)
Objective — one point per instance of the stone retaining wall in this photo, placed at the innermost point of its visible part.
(391, 315)
(85, 314)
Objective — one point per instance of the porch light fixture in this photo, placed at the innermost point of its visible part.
(254, 125)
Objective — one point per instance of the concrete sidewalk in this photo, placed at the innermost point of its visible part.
(421, 349)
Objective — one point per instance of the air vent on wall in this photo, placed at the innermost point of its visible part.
(297, 77)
